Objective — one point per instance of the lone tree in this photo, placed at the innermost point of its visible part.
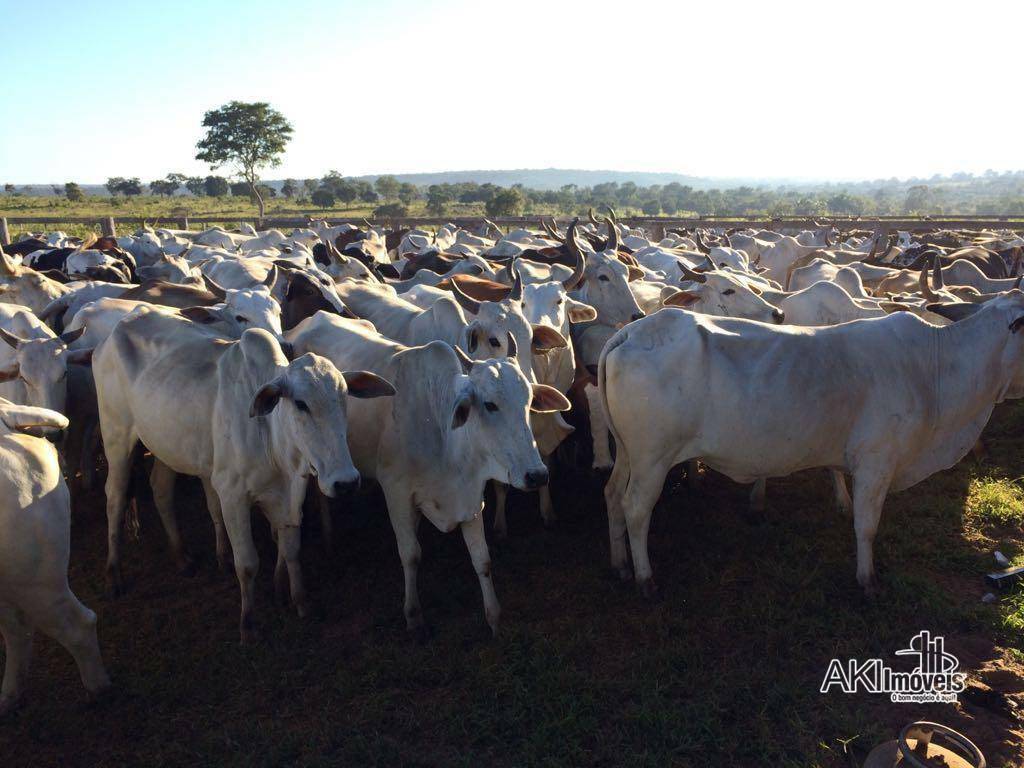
(247, 136)
(73, 192)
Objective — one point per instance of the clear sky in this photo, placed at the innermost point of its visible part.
(819, 89)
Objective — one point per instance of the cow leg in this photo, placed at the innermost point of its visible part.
(476, 543)
(17, 636)
(598, 428)
(326, 524)
(220, 532)
(842, 495)
(74, 626)
(500, 500)
(757, 492)
(616, 519)
(289, 544)
(119, 446)
(869, 490)
(161, 480)
(547, 508)
(642, 491)
(404, 521)
(238, 522)
(87, 458)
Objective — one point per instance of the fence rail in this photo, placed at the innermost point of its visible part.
(658, 224)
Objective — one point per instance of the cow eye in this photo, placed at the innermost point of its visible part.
(728, 291)
(240, 319)
(492, 407)
(494, 342)
(603, 278)
(558, 303)
(301, 405)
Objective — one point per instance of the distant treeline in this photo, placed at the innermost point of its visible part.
(991, 193)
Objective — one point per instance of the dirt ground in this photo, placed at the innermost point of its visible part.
(723, 668)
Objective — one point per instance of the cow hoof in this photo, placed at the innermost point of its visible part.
(625, 573)
(7, 707)
(225, 565)
(101, 697)
(115, 584)
(250, 635)
(304, 608)
(187, 566)
(422, 634)
(550, 523)
(647, 589)
(602, 467)
(754, 516)
(871, 590)
(500, 534)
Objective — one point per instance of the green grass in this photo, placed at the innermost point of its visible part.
(996, 501)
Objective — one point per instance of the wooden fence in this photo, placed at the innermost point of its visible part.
(655, 224)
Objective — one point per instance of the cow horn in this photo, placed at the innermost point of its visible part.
(516, 294)
(574, 250)
(701, 245)
(926, 290)
(612, 243)
(611, 214)
(513, 350)
(213, 288)
(593, 218)
(892, 244)
(829, 242)
(10, 338)
(367, 223)
(689, 274)
(6, 265)
(464, 360)
(550, 230)
(937, 281)
(271, 277)
(469, 304)
(495, 227)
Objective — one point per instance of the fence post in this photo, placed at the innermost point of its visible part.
(107, 227)
(5, 233)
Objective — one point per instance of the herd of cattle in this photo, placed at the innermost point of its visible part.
(435, 363)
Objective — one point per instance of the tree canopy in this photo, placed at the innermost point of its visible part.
(247, 136)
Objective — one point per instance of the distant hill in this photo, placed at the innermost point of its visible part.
(555, 178)
(534, 178)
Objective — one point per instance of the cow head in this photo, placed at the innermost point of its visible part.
(42, 365)
(722, 294)
(493, 403)
(309, 400)
(601, 280)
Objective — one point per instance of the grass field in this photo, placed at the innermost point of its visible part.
(723, 669)
(233, 209)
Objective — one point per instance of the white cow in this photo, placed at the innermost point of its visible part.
(742, 391)
(252, 425)
(35, 543)
(33, 361)
(454, 425)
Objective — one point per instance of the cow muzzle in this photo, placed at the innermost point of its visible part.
(778, 316)
(536, 478)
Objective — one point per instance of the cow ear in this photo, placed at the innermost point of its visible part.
(266, 398)
(635, 273)
(547, 399)
(366, 385)
(462, 408)
(200, 315)
(681, 299)
(79, 356)
(471, 337)
(546, 338)
(580, 312)
(10, 371)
